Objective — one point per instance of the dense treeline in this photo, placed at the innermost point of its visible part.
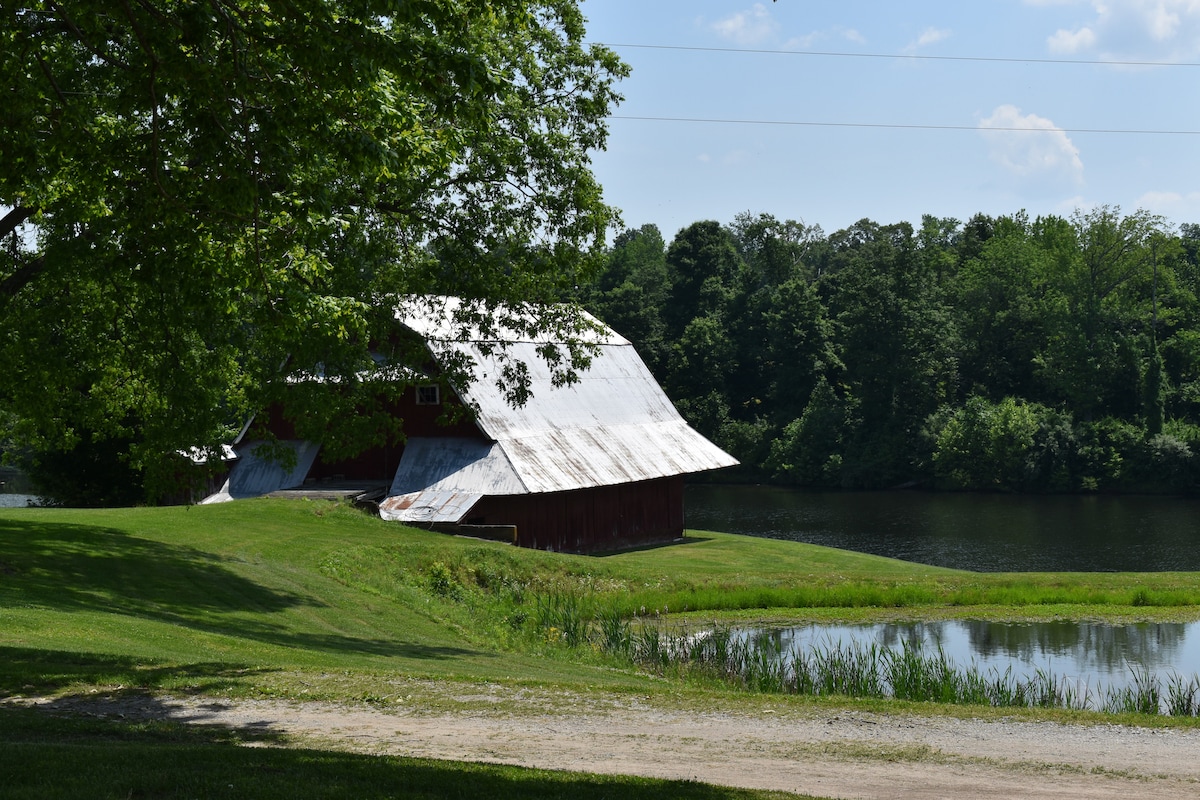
(1006, 353)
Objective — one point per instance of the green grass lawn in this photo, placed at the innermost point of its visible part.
(312, 599)
(236, 595)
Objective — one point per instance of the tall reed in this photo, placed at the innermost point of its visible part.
(564, 616)
(760, 664)
(1143, 696)
(1183, 697)
(907, 673)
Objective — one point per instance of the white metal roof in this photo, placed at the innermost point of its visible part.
(614, 425)
(439, 480)
(451, 319)
(257, 473)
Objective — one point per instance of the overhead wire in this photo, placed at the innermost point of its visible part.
(901, 126)
(902, 56)
(908, 56)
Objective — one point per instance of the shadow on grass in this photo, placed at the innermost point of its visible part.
(50, 754)
(69, 567)
(655, 546)
(29, 671)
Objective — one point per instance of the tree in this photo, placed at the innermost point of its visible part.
(700, 363)
(799, 348)
(702, 263)
(631, 291)
(897, 343)
(988, 445)
(1099, 310)
(1000, 312)
(219, 187)
(809, 449)
(776, 322)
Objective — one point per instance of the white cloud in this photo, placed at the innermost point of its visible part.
(737, 158)
(1183, 206)
(1031, 147)
(812, 39)
(1143, 30)
(1069, 205)
(750, 27)
(928, 36)
(729, 158)
(1071, 41)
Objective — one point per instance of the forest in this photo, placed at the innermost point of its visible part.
(1055, 354)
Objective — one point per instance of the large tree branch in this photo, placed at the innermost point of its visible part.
(13, 219)
(83, 40)
(22, 277)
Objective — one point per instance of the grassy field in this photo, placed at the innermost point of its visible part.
(316, 600)
(233, 596)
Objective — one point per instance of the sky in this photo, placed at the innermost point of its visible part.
(832, 112)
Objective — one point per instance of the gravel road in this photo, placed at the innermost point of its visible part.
(842, 754)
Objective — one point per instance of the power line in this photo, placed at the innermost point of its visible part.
(909, 56)
(805, 123)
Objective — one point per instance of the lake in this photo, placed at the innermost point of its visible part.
(980, 532)
(15, 489)
(16, 500)
(987, 533)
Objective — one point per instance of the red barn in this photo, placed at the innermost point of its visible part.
(589, 466)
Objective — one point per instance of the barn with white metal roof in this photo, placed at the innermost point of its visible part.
(592, 465)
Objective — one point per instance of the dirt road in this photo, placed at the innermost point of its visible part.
(828, 754)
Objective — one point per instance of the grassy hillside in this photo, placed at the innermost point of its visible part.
(248, 596)
(316, 600)
(197, 597)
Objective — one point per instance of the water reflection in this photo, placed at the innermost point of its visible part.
(981, 532)
(1090, 654)
(14, 500)
(16, 490)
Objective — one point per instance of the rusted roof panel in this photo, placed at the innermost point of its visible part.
(440, 480)
(429, 506)
(576, 458)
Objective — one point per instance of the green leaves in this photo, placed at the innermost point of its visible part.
(222, 186)
(1000, 354)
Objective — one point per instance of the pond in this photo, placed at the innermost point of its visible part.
(1093, 659)
(980, 532)
(986, 533)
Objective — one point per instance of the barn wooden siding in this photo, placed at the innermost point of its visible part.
(380, 463)
(595, 520)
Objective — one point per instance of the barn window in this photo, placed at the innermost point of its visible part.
(428, 395)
